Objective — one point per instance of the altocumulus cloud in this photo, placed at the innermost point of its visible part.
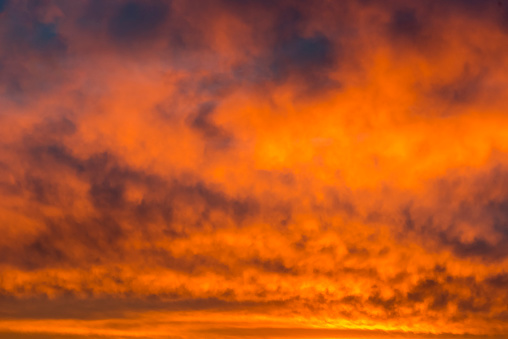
(223, 168)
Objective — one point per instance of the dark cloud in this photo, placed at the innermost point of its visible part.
(484, 209)
(288, 23)
(107, 194)
(26, 31)
(168, 207)
(273, 266)
(138, 19)
(33, 50)
(477, 248)
(499, 280)
(469, 88)
(405, 23)
(71, 306)
(309, 58)
(214, 135)
(470, 7)
(46, 37)
(108, 179)
(216, 85)
(291, 52)
(440, 301)
(471, 305)
(3, 5)
(285, 18)
(96, 237)
(339, 199)
(430, 289)
(42, 190)
(359, 252)
(194, 264)
(243, 5)
(388, 305)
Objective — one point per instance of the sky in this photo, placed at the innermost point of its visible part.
(253, 169)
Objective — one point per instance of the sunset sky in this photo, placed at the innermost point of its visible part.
(253, 169)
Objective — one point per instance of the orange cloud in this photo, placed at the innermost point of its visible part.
(253, 168)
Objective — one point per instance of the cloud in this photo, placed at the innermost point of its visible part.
(472, 225)
(134, 19)
(239, 165)
(405, 22)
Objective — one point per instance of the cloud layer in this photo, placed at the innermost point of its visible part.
(253, 168)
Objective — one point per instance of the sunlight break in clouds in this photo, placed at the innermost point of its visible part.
(263, 169)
